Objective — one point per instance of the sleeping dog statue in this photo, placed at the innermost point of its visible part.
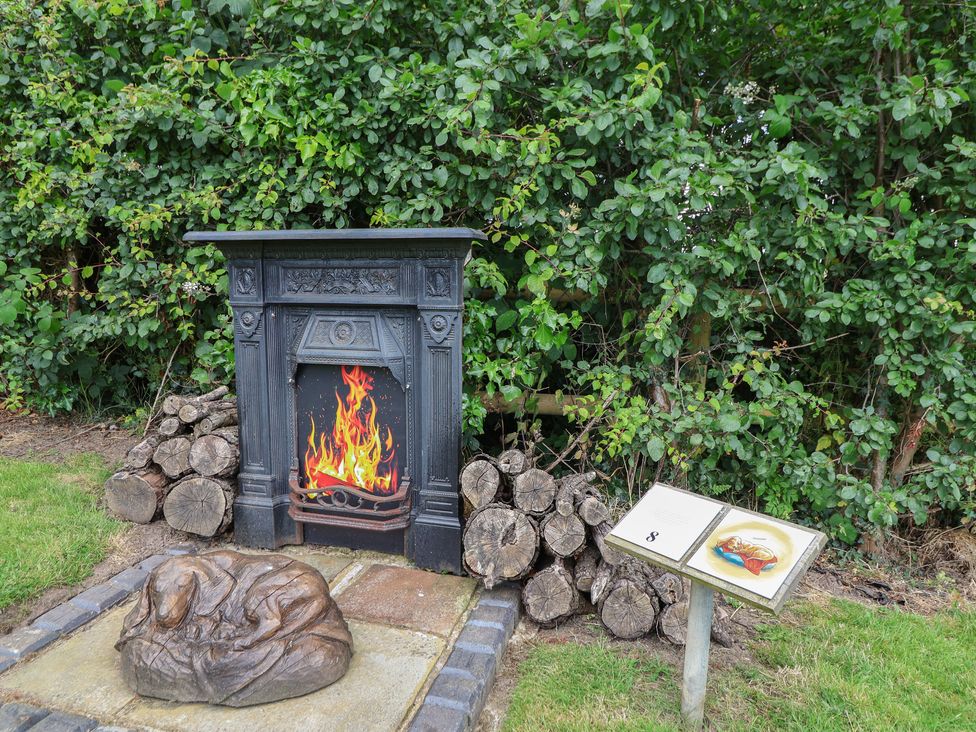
(234, 629)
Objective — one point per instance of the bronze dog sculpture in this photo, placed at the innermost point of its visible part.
(233, 629)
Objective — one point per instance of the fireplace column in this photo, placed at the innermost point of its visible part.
(261, 508)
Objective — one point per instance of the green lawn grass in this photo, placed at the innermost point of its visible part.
(52, 531)
(842, 666)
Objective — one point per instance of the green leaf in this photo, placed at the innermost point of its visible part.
(903, 108)
(655, 448)
(506, 320)
(729, 422)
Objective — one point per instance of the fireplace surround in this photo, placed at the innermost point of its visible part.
(348, 359)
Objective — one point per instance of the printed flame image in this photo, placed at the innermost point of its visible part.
(754, 557)
(357, 452)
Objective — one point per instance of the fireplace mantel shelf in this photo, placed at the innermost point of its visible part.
(344, 235)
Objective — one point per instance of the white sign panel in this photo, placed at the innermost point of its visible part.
(667, 521)
(756, 558)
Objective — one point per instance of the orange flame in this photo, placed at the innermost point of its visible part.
(356, 453)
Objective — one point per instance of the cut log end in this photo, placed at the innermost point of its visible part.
(173, 456)
(513, 462)
(480, 481)
(136, 496)
(563, 536)
(212, 456)
(535, 491)
(201, 506)
(551, 596)
(500, 543)
(628, 609)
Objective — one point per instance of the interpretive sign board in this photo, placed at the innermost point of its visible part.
(747, 555)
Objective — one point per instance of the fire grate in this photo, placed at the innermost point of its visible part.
(350, 507)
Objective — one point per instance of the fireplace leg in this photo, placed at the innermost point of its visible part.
(435, 543)
(262, 521)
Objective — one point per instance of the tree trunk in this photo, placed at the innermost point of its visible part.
(173, 456)
(500, 543)
(141, 455)
(551, 596)
(202, 506)
(479, 483)
(513, 463)
(136, 496)
(212, 456)
(563, 536)
(534, 491)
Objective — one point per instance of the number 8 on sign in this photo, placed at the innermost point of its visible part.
(651, 537)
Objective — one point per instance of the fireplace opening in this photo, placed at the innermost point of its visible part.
(351, 442)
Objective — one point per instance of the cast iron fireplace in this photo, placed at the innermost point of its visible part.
(348, 358)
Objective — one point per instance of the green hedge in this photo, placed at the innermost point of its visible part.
(741, 232)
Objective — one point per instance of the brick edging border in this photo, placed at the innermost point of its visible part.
(84, 607)
(458, 694)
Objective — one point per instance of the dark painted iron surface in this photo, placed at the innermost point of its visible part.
(369, 297)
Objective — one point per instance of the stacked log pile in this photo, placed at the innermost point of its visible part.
(183, 470)
(526, 525)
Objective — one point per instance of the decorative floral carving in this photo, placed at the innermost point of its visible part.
(438, 282)
(245, 281)
(342, 333)
(249, 321)
(343, 280)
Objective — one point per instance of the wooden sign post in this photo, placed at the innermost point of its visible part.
(755, 558)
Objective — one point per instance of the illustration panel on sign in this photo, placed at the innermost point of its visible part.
(752, 552)
(667, 521)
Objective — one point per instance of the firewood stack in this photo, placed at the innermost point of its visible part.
(185, 469)
(524, 524)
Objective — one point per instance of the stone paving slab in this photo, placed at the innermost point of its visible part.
(79, 674)
(388, 669)
(401, 619)
(408, 598)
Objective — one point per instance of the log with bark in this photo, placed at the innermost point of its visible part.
(141, 454)
(136, 495)
(174, 402)
(217, 419)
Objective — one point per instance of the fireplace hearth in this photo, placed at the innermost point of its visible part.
(348, 357)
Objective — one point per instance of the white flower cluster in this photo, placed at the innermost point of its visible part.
(746, 91)
(194, 288)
